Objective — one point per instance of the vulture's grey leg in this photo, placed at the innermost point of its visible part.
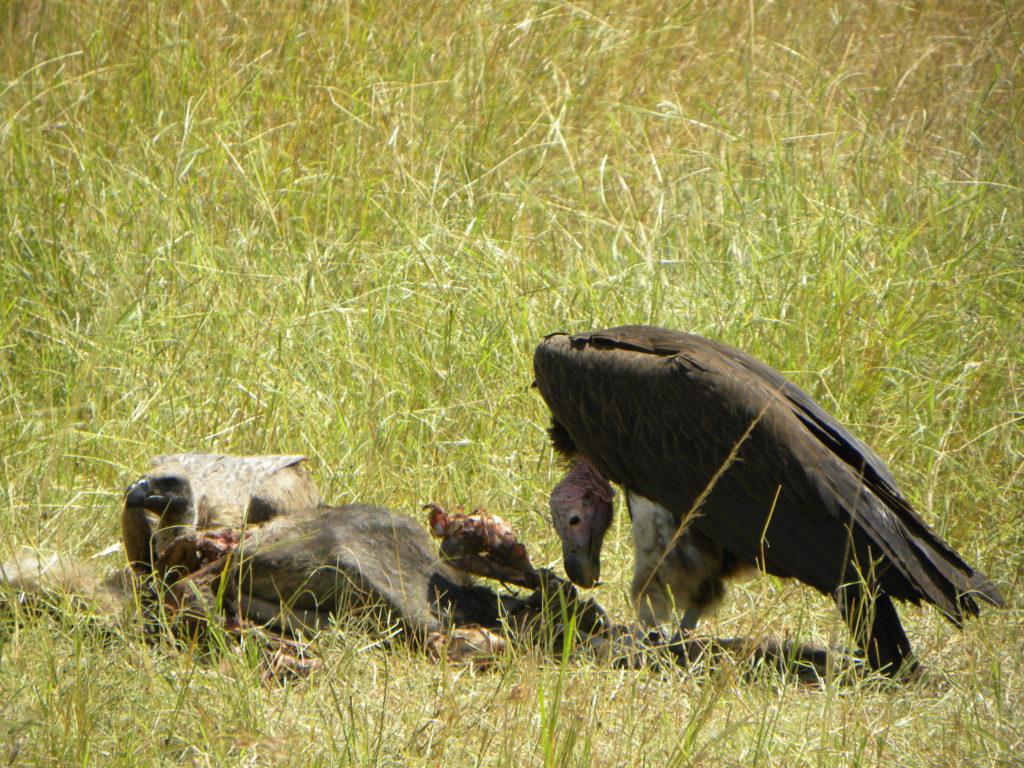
(876, 629)
(690, 619)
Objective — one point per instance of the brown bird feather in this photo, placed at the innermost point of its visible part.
(738, 454)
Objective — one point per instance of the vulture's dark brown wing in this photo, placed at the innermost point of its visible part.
(665, 413)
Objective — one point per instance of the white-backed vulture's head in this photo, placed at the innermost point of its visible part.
(161, 493)
(168, 494)
(581, 511)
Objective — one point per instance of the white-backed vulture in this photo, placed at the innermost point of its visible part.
(204, 491)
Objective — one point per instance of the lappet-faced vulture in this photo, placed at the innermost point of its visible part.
(742, 469)
(208, 491)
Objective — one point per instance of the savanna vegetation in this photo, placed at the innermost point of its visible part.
(338, 229)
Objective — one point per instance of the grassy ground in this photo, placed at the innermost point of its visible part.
(339, 229)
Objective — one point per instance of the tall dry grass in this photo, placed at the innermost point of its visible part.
(339, 229)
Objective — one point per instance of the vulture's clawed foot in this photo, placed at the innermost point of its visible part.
(474, 645)
(283, 660)
(625, 647)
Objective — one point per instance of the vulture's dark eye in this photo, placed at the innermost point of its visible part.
(574, 520)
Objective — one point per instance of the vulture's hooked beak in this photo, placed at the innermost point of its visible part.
(137, 495)
(583, 568)
(142, 495)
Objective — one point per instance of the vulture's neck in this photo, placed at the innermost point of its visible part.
(176, 521)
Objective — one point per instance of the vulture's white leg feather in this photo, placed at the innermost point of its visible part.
(668, 578)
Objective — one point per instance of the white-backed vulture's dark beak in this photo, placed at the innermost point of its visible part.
(159, 494)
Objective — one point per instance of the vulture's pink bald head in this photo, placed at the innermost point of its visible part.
(581, 511)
